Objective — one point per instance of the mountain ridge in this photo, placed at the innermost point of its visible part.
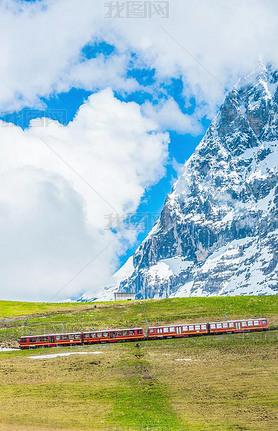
(217, 233)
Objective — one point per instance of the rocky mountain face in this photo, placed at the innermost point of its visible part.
(217, 233)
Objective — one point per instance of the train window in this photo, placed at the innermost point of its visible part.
(86, 336)
(105, 334)
(264, 322)
(244, 324)
(23, 340)
(197, 327)
(151, 330)
(218, 325)
(172, 329)
(204, 326)
(185, 328)
(93, 335)
(64, 337)
(212, 326)
(191, 328)
(125, 333)
(77, 336)
(225, 325)
(231, 324)
(39, 338)
(165, 329)
(139, 331)
(256, 322)
(112, 334)
(160, 330)
(32, 340)
(131, 332)
(250, 322)
(119, 333)
(99, 334)
(71, 337)
(58, 337)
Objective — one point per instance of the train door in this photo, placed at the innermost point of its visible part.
(178, 330)
(52, 340)
(238, 327)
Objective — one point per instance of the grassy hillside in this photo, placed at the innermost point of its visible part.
(21, 318)
(225, 383)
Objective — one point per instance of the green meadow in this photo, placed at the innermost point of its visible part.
(224, 383)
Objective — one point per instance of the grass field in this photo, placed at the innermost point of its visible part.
(225, 383)
(36, 318)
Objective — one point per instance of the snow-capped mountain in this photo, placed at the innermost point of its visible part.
(217, 233)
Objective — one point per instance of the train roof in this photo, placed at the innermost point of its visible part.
(238, 320)
(78, 333)
(49, 335)
(110, 330)
(179, 324)
(205, 323)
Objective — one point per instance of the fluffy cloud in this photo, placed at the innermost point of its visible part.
(59, 186)
(41, 51)
(169, 117)
(209, 44)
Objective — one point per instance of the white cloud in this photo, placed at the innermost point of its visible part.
(98, 73)
(41, 51)
(52, 222)
(168, 116)
(210, 44)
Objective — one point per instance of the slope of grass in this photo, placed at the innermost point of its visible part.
(165, 308)
(225, 383)
(36, 318)
(11, 309)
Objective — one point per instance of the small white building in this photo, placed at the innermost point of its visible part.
(124, 296)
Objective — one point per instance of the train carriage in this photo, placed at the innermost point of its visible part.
(181, 330)
(135, 334)
(50, 340)
(113, 335)
(245, 325)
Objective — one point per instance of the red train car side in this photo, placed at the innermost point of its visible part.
(113, 335)
(245, 325)
(181, 330)
(50, 340)
(134, 334)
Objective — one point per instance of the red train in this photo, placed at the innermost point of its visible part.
(136, 334)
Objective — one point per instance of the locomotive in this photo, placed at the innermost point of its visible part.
(136, 334)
